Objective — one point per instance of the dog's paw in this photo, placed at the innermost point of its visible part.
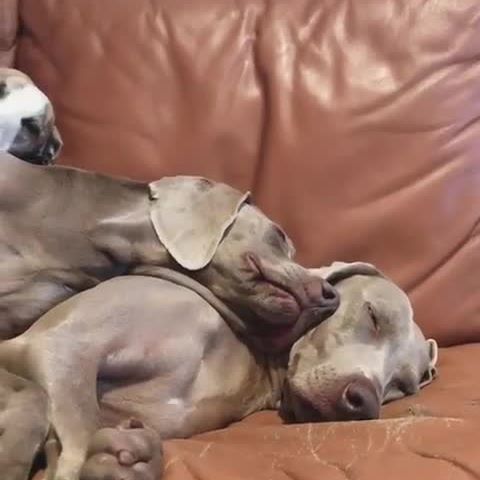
(128, 452)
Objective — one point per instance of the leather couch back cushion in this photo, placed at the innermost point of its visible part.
(355, 123)
(8, 31)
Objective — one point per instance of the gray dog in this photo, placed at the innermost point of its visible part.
(27, 121)
(64, 230)
(122, 370)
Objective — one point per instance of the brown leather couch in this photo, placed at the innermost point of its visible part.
(355, 124)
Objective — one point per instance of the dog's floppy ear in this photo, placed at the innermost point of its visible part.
(431, 372)
(338, 271)
(191, 215)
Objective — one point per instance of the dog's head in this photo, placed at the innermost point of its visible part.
(27, 121)
(369, 352)
(244, 258)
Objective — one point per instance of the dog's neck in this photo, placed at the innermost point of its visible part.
(275, 368)
(272, 367)
(122, 228)
(112, 215)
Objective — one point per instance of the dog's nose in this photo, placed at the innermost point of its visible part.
(50, 150)
(360, 400)
(321, 294)
(329, 293)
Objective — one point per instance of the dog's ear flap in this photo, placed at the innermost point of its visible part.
(191, 215)
(431, 372)
(338, 271)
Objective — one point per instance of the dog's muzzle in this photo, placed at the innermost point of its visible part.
(43, 154)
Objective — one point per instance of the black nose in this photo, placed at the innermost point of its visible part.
(330, 298)
(50, 150)
(330, 295)
(360, 400)
(321, 294)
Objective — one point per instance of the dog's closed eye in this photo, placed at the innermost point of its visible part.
(280, 233)
(277, 238)
(373, 317)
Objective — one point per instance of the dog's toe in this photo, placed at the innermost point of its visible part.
(127, 452)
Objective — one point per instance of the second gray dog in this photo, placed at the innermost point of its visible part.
(64, 230)
(168, 359)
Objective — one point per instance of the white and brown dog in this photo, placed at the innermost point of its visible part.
(27, 120)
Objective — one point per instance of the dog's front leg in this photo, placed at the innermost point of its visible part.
(23, 425)
(72, 395)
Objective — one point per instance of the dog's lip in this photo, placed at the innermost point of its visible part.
(296, 408)
(281, 290)
(304, 410)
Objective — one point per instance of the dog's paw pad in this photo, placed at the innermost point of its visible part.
(128, 452)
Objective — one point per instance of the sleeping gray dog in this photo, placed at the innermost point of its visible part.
(121, 371)
(64, 230)
(27, 120)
